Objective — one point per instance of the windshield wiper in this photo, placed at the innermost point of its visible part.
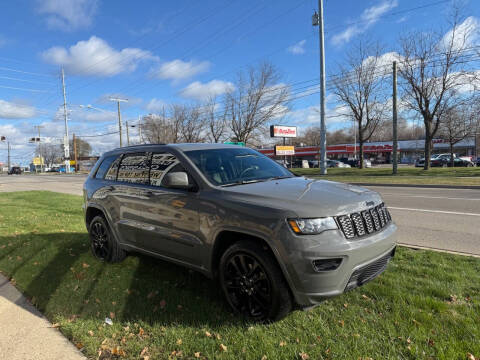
(243, 182)
(280, 177)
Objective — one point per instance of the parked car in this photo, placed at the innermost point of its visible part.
(15, 170)
(478, 161)
(270, 238)
(445, 161)
(356, 162)
(336, 164)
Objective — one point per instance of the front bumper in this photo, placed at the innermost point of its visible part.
(362, 260)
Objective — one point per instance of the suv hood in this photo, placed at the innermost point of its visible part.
(305, 197)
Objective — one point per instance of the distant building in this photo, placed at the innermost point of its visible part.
(381, 151)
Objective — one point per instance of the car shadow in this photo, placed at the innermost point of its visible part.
(63, 280)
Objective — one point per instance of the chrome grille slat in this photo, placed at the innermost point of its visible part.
(364, 223)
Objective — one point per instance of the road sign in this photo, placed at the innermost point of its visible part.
(239, 143)
(282, 150)
(283, 131)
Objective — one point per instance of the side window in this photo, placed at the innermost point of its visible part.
(134, 168)
(112, 172)
(104, 166)
(161, 164)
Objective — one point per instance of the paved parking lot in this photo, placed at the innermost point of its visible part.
(443, 219)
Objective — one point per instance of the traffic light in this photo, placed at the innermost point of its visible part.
(3, 138)
(34, 139)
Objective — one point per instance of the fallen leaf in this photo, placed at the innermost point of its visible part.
(208, 334)
(90, 332)
(223, 347)
(431, 342)
(56, 325)
(304, 356)
(471, 357)
(141, 332)
(282, 343)
(85, 265)
(264, 357)
(97, 300)
(179, 342)
(144, 351)
(345, 305)
(118, 351)
(79, 345)
(365, 297)
(112, 315)
(197, 354)
(114, 303)
(341, 322)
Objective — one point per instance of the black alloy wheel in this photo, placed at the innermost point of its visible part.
(248, 287)
(100, 239)
(253, 283)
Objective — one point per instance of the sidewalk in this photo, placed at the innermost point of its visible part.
(25, 334)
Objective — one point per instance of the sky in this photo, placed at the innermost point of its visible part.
(158, 52)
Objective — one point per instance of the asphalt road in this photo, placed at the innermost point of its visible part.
(443, 219)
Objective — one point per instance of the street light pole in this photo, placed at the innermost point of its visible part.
(128, 136)
(118, 100)
(66, 145)
(318, 21)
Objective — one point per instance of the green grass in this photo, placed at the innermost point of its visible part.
(426, 305)
(406, 175)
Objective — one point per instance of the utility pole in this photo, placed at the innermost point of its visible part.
(8, 147)
(118, 100)
(75, 152)
(128, 135)
(66, 145)
(395, 134)
(38, 127)
(139, 129)
(317, 20)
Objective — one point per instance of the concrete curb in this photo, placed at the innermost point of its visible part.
(433, 186)
(419, 247)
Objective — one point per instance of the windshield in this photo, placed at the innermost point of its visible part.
(229, 166)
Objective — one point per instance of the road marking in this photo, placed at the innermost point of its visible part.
(430, 197)
(434, 211)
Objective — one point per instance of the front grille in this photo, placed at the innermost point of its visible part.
(364, 223)
(369, 272)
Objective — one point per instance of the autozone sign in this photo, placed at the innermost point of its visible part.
(281, 150)
(283, 131)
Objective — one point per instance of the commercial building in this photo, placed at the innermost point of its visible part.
(380, 152)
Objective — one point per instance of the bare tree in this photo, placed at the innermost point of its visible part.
(215, 119)
(190, 121)
(83, 147)
(434, 73)
(51, 153)
(360, 86)
(257, 99)
(458, 124)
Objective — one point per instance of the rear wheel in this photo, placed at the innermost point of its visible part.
(253, 284)
(102, 242)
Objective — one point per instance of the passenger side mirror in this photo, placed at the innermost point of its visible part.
(177, 180)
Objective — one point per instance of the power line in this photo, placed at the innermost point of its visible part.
(23, 72)
(24, 89)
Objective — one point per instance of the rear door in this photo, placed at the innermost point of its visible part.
(172, 214)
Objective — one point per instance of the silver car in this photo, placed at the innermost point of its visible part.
(272, 240)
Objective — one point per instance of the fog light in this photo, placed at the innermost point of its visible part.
(326, 264)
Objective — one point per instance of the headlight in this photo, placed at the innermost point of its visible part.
(312, 226)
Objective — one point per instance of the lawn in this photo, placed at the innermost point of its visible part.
(406, 175)
(426, 305)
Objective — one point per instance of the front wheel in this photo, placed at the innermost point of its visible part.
(102, 242)
(253, 283)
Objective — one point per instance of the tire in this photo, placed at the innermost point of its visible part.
(103, 244)
(253, 283)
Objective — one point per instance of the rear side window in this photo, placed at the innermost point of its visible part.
(112, 172)
(134, 168)
(161, 164)
(104, 166)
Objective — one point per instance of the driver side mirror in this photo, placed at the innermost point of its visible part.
(177, 180)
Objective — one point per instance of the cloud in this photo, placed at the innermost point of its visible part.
(179, 69)
(68, 15)
(155, 105)
(367, 19)
(94, 57)
(467, 34)
(203, 91)
(298, 48)
(10, 110)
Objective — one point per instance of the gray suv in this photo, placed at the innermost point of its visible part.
(272, 239)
